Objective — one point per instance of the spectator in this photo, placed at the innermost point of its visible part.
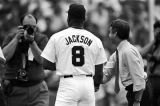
(152, 53)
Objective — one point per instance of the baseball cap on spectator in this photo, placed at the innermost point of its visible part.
(77, 11)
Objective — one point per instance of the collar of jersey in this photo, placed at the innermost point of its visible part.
(76, 27)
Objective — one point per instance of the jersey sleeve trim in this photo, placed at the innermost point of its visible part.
(103, 60)
(44, 55)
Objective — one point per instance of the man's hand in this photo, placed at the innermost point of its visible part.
(106, 79)
(136, 104)
(19, 33)
(145, 76)
(138, 96)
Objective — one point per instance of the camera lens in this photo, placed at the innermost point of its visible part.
(30, 30)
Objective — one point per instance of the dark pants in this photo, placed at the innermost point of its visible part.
(154, 82)
(2, 98)
(36, 95)
(130, 95)
(146, 96)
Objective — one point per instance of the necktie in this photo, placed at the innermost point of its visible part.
(117, 88)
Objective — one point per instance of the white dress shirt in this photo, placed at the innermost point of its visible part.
(131, 67)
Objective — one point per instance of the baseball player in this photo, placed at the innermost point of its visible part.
(79, 55)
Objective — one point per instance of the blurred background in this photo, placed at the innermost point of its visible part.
(52, 17)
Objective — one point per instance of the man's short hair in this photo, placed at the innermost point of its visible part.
(121, 27)
(156, 24)
(77, 11)
(23, 16)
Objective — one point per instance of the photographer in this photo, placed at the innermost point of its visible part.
(23, 83)
(152, 53)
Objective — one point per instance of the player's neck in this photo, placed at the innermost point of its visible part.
(77, 27)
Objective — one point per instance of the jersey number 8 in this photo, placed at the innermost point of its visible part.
(78, 56)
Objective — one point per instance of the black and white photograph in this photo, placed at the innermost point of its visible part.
(79, 52)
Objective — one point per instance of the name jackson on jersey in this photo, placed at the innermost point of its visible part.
(79, 39)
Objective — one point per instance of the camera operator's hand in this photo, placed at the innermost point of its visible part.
(19, 33)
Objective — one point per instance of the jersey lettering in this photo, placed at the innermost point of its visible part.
(78, 39)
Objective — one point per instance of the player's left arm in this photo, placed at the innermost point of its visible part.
(49, 65)
(100, 60)
(98, 76)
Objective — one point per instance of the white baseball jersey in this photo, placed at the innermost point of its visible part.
(75, 52)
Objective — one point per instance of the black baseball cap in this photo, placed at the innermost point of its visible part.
(77, 11)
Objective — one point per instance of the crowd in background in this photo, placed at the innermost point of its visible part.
(52, 17)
